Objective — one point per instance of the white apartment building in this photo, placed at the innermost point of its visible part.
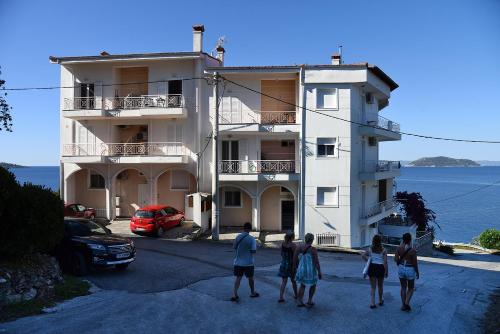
(299, 152)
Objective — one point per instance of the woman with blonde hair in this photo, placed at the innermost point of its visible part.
(305, 259)
(377, 269)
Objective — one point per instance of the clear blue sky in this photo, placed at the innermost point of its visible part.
(445, 55)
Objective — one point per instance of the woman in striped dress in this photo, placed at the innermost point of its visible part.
(308, 269)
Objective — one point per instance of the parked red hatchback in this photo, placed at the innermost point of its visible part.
(155, 219)
(78, 210)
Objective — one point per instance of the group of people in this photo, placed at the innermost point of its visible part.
(300, 264)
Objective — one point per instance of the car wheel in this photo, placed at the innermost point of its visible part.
(78, 265)
(181, 221)
(121, 266)
(160, 231)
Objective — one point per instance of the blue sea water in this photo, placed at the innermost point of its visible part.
(460, 218)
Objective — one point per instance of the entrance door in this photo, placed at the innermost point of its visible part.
(230, 156)
(382, 190)
(287, 215)
(143, 197)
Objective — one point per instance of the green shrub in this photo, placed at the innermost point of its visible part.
(490, 239)
(31, 218)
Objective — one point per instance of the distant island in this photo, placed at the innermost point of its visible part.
(7, 165)
(443, 162)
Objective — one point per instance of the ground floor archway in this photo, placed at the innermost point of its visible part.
(235, 206)
(278, 208)
(132, 191)
(172, 186)
(88, 187)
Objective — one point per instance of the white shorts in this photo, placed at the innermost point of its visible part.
(406, 272)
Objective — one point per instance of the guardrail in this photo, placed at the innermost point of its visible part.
(257, 166)
(375, 166)
(124, 149)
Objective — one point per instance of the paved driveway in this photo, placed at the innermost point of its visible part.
(185, 287)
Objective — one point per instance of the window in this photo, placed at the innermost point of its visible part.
(232, 198)
(327, 196)
(97, 181)
(81, 208)
(287, 143)
(179, 180)
(326, 147)
(326, 98)
(170, 211)
(372, 141)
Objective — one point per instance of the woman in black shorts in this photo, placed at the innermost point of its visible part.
(378, 269)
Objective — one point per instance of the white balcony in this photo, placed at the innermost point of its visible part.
(373, 170)
(253, 120)
(254, 170)
(172, 152)
(378, 211)
(380, 127)
(156, 106)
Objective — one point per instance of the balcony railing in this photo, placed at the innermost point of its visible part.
(129, 102)
(257, 166)
(258, 117)
(379, 208)
(124, 149)
(377, 166)
(385, 124)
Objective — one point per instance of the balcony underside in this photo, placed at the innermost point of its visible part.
(375, 176)
(163, 113)
(380, 133)
(259, 177)
(126, 159)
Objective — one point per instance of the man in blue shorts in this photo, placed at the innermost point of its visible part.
(245, 246)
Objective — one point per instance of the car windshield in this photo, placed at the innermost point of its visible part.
(78, 229)
(144, 214)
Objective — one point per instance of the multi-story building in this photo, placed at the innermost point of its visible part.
(297, 145)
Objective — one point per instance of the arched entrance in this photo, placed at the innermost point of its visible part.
(87, 187)
(132, 191)
(172, 186)
(277, 209)
(236, 206)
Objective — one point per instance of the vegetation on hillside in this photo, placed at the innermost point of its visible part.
(8, 165)
(443, 162)
(5, 116)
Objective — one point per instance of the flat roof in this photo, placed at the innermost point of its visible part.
(130, 56)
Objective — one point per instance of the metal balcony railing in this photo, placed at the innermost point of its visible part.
(128, 102)
(384, 123)
(124, 149)
(257, 166)
(258, 117)
(377, 166)
(380, 207)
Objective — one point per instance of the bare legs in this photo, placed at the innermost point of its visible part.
(376, 282)
(300, 296)
(251, 283)
(373, 286)
(312, 290)
(407, 287)
(380, 282)
(284, 281)
(236, 286)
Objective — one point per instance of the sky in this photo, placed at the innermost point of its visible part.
(443, 54)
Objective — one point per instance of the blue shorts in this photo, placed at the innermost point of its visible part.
(406, 272)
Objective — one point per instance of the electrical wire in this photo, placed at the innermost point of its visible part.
(466, 193)
(359, 123)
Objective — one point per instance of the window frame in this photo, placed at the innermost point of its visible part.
(224, 205)
(89, 175)
(335, 148)
(335, 205)
(318, 89)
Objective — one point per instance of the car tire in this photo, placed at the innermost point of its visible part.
(181, 221)
(160, 232)
(122, 266)
(79, 266)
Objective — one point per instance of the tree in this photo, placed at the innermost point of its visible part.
(5, 116)
(413, 206)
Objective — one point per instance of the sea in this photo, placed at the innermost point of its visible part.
(466, 200)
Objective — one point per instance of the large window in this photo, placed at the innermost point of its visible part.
(327, 147)
(232, 199)
(326, 98)
(96, 181)
(179, 180)
(327, 196)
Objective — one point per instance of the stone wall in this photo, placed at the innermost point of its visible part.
(33, 277)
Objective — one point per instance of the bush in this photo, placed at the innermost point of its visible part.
(31, 218)
(490, 239)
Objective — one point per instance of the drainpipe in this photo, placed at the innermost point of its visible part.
(302, 103)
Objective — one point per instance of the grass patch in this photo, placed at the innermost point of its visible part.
(71, 287)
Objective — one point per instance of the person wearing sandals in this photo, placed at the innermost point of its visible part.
(286, 266)
(305, 259)
(406, 259)
(377, 269)
(245, 246)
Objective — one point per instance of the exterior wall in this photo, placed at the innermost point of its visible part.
(236, 216)
(95, 198)
(128, 192)
(270, 206)
(174, 198)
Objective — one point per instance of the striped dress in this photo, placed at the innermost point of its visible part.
(306, 271)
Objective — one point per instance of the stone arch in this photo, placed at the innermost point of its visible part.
(130, 192)
(278, 210)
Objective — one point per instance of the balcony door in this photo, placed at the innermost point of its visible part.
(230, 156)
(382, 190)
(174, 93)
(86, 100)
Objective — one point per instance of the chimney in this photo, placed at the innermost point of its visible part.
(198, 30)
(220, 54)
(336, 59)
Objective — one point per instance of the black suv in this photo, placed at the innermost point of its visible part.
(87, 244)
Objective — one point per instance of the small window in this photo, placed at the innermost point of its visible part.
(326, 147)
(179, 180)
(287, 143)
(232, 198)
(326, 98)
(327, 196)
(97, 181)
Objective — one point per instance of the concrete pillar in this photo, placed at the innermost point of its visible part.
(152, 193)
(109, 200)
(255, 213)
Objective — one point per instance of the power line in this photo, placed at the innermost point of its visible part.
(361, 124)
(467, 193)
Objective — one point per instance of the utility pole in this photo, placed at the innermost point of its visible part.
(215, 164)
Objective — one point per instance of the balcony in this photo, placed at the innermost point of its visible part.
(173, 152)
(374, 170)
(381, 127)
(159, 106)
(253, 120)
(254, 170)
(378, 211)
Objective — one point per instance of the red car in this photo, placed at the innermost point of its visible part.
(79, 211)
(155, 219)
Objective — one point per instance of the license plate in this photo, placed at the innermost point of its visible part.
(139, 229)
(122, 255)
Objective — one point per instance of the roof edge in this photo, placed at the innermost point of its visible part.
(131, 56)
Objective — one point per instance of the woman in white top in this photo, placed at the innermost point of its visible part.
(378, 269)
